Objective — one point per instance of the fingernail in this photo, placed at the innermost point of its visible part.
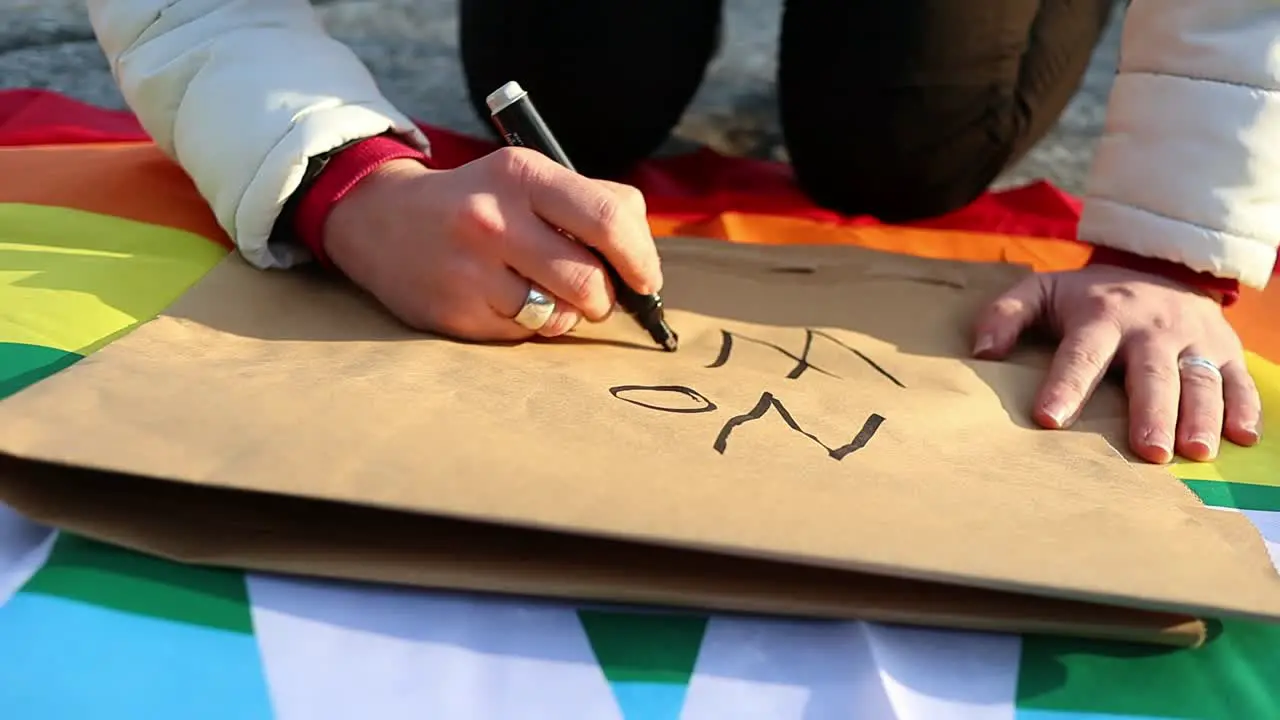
(1057, 412)
(1254, 429)
(1207, 443)
(984, 344)
(1159, 440)
(658, 278)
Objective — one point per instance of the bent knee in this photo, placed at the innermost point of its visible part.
(902, 165)
(900, 194)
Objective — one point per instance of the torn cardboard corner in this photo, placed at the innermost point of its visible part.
(822, 420)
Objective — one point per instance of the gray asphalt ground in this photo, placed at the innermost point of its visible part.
(410, 45)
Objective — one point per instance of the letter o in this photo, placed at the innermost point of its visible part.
(687, 392)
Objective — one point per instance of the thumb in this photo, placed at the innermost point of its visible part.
(1004, 320)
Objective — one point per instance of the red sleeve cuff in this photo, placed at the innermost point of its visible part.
(343, 171)
(1228, 289)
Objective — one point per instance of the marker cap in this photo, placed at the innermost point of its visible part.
(499, 99)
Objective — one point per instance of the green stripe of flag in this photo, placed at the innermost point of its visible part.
(1241, 496)
(113, 577)
(644, 647)
(1236, 675)
(22, 365)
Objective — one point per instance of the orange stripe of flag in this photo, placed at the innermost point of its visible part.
(129, 180)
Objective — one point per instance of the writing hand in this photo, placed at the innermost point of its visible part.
(1106, 314)
(454, 251)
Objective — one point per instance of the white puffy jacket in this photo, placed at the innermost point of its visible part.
(1188, 168)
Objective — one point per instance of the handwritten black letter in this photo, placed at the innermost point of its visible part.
(802, 360)
(767, 400)
(707, 405)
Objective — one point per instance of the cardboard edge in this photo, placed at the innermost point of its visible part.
(276, 533)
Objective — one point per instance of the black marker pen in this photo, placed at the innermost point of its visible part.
(513, 113)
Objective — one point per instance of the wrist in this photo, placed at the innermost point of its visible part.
(1225, 291)
(346, 169)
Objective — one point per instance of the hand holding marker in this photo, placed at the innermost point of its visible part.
(515, 117)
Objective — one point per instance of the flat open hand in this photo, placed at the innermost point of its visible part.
(1153, 327)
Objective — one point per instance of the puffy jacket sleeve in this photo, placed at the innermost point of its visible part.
(1188, 168)
(242, 94)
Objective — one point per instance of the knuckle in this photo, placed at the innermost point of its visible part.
(583, 285)
(1084, 356)
(1199, 378)
(478, 216)
(1103, 305)
(608, 214)
(1162, 322)
(1007, 307)
(634, 199)
(1146, 337)
(560, 323)
(1152, 370)
(513, 162)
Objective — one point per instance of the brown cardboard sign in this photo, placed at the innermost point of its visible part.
(822, 418)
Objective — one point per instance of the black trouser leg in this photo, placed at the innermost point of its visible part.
(909, 109)
(611, 77)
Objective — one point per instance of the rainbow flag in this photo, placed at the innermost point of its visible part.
(99, 232)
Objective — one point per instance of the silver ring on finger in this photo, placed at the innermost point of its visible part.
(1187, 362)
(536, 311)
